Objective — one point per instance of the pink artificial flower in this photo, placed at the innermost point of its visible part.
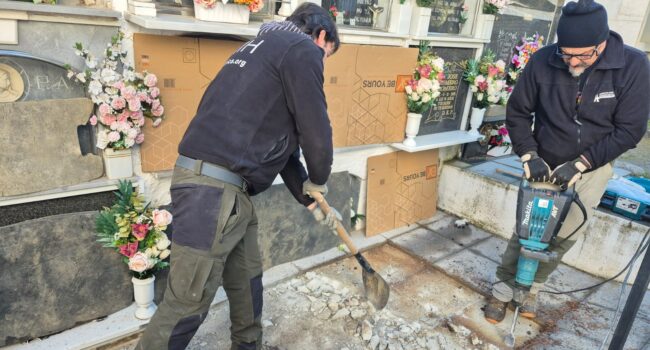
(154, 92)
(139, 262)
(128, 249)
(107, 119)
(161, 218)
(140, 121)
(139, 231)
(157, 122)
(424, 70)
(150, 80)
(143, 96)
(139, 139)
(119, 85)
(492, 71)
(93, 120)
(122, 117)
(441, 76)
(113, 136)
(134, 104)
(503, 131)
(158, 111)
(118, 103)
(482, 86)
(128, 92)
(104, 109)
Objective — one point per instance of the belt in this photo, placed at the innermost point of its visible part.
(211, 170)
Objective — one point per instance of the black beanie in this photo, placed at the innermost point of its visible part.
(582, 24)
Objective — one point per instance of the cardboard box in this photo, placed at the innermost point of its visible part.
(185, 67)
(364, 85)
(402, 189)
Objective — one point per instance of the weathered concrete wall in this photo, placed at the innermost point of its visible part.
(40, 148)
(609, 242)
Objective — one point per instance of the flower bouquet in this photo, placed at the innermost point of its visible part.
(422, 90)
(486, 80)
(523, 51)
(231, 11)
(136, 232)
(492, 7)
(122, 96)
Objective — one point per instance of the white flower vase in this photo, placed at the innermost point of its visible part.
(412, 128)
(285, 9)
(118, 164)
(143, 293)
(476, 120)
(229, 13)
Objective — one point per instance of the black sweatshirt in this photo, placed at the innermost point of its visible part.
(266, 104)
(610, 119)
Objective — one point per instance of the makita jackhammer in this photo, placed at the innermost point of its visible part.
(540, 214)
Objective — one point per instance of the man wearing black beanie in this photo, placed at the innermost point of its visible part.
(588, 99)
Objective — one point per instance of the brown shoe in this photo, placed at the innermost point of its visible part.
(495, 310)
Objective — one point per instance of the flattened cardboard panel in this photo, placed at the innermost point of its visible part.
(366, 103)
(185, 67)
(402, 189)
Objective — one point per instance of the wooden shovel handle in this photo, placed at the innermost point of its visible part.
(325, 207)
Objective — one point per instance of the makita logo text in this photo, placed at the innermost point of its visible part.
(529, 208)
(379, 83)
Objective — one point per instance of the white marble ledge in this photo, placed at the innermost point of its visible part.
(100, 185)
(178, 23)
(58, 10)
(438, 140)
(449, 40)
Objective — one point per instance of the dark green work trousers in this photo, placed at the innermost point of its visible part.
(214, 243)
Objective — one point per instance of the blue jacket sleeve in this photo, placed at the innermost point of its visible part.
(521, 104)
(293, 176)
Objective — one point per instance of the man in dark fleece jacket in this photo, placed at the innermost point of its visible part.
(266, 104)
(590, 96)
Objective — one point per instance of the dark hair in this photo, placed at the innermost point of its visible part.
(311, 19)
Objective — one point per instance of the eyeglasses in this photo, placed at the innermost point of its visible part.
(582, 56)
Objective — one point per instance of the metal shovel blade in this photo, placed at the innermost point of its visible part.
(377, 290)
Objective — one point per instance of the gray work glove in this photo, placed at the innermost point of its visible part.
(330, 220)
(309, 186)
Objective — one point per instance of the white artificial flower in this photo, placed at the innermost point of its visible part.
(426, 98)
(474, 88)
(436, 94)
(81, 77)
(419, 90)
(164, 254)
(162, 244)
(70, 74)
(415, 97)
(128, 75)
(408, 89)
(102, 139)
(108, 75)
(91, 62)
(500, 64)
(94, 88)
(425, 84)
(439, 64)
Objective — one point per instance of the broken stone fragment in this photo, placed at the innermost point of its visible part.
(324, 314)
(460, 330)
(366, 330)
(267, 323)
(304, 290)
(317, 306)
(333, 307)
(310, 275)
(374, 342)
(314, 285)
(476, 340)
(354, 302)
(358, 313)
(341, 314)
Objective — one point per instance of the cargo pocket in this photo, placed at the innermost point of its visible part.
(189, 275)
(196, 210)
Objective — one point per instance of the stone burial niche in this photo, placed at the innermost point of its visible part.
(53, 275)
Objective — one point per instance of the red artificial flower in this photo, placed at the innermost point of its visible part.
(129, 249)
(483, 85)
(441, 76)
(140, 231)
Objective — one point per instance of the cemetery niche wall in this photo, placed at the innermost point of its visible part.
(447, 114)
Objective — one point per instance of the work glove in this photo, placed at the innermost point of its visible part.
(535, 168)
(309, 186)
(330, 220)
(568, 173)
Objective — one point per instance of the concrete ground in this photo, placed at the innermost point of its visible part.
(637, 160)
(439, 277)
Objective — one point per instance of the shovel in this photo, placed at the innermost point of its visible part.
(376, 288)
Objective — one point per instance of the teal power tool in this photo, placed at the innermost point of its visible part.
(540, 214)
